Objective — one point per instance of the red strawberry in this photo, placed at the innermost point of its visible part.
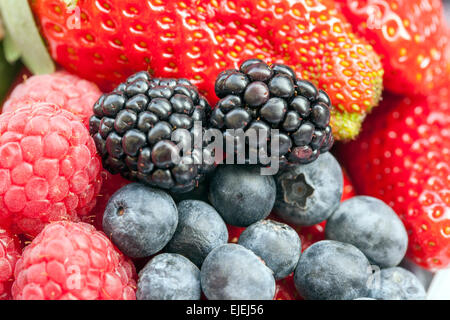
(349, 190)
(285, 289)
(234, 233)
(410, 35)
(197, 39)
(403, 158)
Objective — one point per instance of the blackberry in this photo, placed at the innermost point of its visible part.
(140, 127)
(259, 96)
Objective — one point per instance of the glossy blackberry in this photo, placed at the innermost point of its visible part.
(140, 127)
(259, 96)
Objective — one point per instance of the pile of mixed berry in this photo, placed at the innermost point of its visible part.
(200, 149)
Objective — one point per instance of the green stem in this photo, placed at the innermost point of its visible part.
(19, 23)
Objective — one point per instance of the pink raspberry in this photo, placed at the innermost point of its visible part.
(49, 168)
(73, 261)
(9, 254)
(62, 88)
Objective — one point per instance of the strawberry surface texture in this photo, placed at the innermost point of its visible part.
(412, 38)
(403, 157)
(198, 39)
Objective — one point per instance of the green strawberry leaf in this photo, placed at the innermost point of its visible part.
(20, 25)
(12, 53)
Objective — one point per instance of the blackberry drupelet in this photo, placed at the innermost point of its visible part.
(134, 125)
(263, 97)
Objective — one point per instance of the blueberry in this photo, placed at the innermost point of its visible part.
(371, 226)
(169, 276)
(331, 270)
(200, 230)
(140, 220)
(276, 243)
(364, 298)
(396, 284)
(309, 194)
(241, 195)
(232, 272)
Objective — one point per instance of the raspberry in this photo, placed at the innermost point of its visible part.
(73, 261)
(62, 88)
(9, 254)
(49, 169)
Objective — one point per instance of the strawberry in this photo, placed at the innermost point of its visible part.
(410, 35)
(349, 190)
(403, 158)
(197, 39)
